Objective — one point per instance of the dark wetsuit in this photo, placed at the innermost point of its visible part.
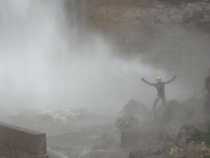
(160, 87)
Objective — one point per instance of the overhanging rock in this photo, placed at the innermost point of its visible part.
(16, 142)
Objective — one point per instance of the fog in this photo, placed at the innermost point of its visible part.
(43, 66)
(64, 74)
(48, 62)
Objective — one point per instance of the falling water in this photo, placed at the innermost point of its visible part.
(48, 59)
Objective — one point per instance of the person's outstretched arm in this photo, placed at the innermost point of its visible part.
(171, 80)
(147, 82)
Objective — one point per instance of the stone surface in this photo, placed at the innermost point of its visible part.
(21, 143)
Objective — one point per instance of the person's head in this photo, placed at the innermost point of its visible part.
(158, 79)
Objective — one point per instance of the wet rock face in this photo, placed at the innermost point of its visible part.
(135, 24)
(123, 10)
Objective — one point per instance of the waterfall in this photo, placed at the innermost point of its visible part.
(34, 35)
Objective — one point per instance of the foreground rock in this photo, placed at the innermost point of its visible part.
(16, 142)
(178, 131)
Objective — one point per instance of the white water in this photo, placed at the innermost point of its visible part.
(46, 62)
(56, 154)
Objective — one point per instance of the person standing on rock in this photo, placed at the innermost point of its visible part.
(159, 85)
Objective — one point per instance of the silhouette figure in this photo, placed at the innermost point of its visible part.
(207, 83)
(160, 87)
(207, 89)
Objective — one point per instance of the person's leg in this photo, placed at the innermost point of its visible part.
(207, 106)
(166, 112)
(155, 106)
(163, 101)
